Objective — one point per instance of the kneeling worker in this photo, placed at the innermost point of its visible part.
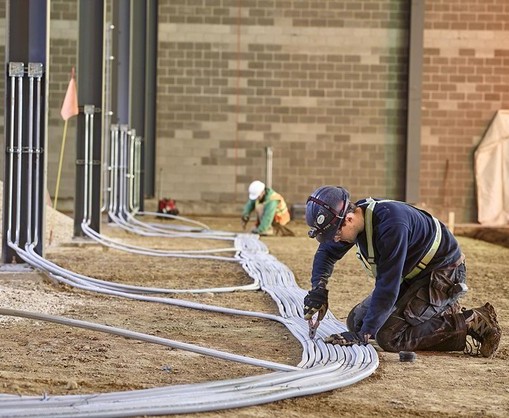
(271, 211)
(419, 271)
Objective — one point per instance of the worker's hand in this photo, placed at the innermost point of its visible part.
(317, 300)
(244, 219)
(348, 338)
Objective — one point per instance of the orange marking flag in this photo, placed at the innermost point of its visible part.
(70, 105)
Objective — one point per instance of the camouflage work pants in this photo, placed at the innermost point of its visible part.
(427, 315)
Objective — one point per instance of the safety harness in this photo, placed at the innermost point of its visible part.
(369, 263)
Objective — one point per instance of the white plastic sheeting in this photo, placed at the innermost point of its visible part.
(492, 171)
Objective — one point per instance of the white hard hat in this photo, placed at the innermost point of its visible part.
(256, 188)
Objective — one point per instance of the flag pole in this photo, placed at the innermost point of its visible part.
(69, 109)
(60, 164)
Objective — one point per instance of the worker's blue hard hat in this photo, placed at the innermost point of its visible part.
(325, 211)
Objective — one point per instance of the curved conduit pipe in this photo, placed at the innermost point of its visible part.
(29, 255)
(122, 139)
(346, 366)
(323, 367)
(147, 338)
(124, 190)
(120, 168)
(118, 207)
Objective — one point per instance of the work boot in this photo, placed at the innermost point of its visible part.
(451, 309)
(282, 230)
(267, 233)
(483, 327)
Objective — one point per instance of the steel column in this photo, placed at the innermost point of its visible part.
(149, 135)
(413, 153)
(137, 62)
(25, 132)
(120, 73)
(90, 92)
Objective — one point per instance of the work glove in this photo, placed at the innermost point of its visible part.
(348, 338)
(317, 300)
(245, 220)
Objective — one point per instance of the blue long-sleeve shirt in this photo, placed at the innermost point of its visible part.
(402, 235)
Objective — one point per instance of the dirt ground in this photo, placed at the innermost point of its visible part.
(38, 357)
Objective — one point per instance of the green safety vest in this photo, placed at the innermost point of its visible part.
(369, 263)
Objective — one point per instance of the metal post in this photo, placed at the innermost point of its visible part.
(120, 71)
(268, 174)
(25, 127)
(137, 59)
(413, 157)
(90, 91)
(107, 115)
(149, 135)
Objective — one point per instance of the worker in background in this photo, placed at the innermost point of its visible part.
(271, 211)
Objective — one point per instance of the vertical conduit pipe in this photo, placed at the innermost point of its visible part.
(107, 114)
(37, 72)
(268, 174)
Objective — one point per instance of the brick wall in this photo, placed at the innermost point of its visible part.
(324, 84)
(465, 81)
(321, 83)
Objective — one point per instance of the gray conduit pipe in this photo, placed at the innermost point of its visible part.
(155, 252)
(353, 363)
(174, 407)
(169, 231)
(219, 395)
(119, 215)
(258, 399)
(148, 338)
(120, 191)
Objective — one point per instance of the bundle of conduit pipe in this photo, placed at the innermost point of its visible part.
(323, 367)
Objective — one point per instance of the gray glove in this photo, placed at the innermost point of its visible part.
(348, 338)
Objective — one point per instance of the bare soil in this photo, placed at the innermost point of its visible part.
(38, 357)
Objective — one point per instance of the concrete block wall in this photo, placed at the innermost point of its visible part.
(324, 84)
(465, 81)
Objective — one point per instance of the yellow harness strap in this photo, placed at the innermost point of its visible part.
(430, 254)
(369, 263)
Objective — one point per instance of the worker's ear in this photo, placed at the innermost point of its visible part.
(349, 217)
